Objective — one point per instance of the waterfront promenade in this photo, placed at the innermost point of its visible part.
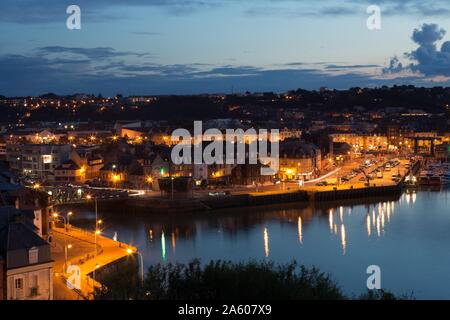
(357, 186)
(81, 252)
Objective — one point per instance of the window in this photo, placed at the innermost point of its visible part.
(33, 255)
(19, 283)
(34, 291)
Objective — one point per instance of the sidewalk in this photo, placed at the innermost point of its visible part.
(82, 254)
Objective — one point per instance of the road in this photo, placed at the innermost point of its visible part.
(82, 254)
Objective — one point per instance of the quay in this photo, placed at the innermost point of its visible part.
(268, 195)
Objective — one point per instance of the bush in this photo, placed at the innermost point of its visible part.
(226, 280)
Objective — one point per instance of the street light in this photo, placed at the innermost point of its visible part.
(68, 217)
(130, 252)
(66, 248)
(96, 232)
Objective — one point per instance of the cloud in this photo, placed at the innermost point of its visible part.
(428, 59)
(67, 70)
(347, 67)
(329, 8)
(428, 34)
(395, 66)
(54, 11)
(91, 53)
(146, 33)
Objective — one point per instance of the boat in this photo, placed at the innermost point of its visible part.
(445, 178)
(411, 180)
(435, 180)
(436, 174)
(424, 178)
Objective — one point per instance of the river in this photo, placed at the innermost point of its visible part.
(407, 237)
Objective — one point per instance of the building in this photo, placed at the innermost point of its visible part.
(299, 161)
(70, 172)
(31, 203)
(13, 156)
(81, 167)
(37, 160)
(27, 264)
(248, 174)
(2, 149)
(360, 142)
(2, 278)
(286, 134)
(442, 151)
(113, 175)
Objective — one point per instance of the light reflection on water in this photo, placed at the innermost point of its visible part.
(409, 238)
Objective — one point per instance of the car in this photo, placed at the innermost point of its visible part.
(217, 194)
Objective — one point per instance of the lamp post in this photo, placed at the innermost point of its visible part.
(96, 232)
(130, 252)
(68, 218)
(66, 248)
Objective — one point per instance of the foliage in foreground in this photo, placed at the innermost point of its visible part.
(223, 280)
(227, 280)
